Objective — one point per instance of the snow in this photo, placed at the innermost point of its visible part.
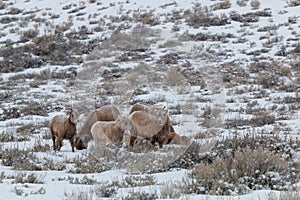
(187, 125)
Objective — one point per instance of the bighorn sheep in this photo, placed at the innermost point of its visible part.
(64, 128)
(149, 126)
(161, 136)
(110, 131)
(105, 113)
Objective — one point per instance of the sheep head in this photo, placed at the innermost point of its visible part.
(74, 116)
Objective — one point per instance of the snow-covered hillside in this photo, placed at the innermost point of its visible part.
(228, 71)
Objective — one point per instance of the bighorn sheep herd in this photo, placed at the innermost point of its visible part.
(106, 124)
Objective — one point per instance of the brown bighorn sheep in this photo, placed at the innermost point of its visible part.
(64, 128)
(161, 136)
(110, 131)
(105, 113)
(149, 126)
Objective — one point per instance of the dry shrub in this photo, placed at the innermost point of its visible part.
(23, 177)
(81, 195)
(285, 71)
(141, 163)
(52, 49)
(120, 87)
(96, 55)
(252, 163)
(2, 176)
(255, 4)
(242, 3)
(103, 150)
(268, 28)
(289, 195)
(267, 80)
(170, 58)
(25, 130)
(297, 47)
(151, 100)
(201, 16)
(148, 159)
(170, 44)
(141, 195)
(126, 42)
(272, 142)
(248, 169)
(28, 35)
(7, 137)
(256, 67)
(138, 181)
(213, 117)
(88, 165)
(35, 108)
(262, 118)
(19, 159)
(135, 79)
(7, 20)
(110, 189)
(174, 78)
(294, 3)
(147, 17)
(170, 190)
(221, 5)
(50, 164)
(40, 147)
(107, 190)
(85, 180)
(193, 154)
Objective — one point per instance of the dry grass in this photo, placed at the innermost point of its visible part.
(39, 146)
(221, 5)
(23, 177)
(126, 42)
(242, 3)
(237, 169)
(255, 4)
(201, 16)
(246, 170)
(84, 165)
(289, 195)
(244, 164)
(170, 190)
(294, 3)
(81, 195)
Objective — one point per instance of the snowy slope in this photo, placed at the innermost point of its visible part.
(223, 70)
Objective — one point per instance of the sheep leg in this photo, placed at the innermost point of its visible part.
(53, 140)
(59, 143)
(132, 140)
(160, 141)
(72, 144)
(160, 144)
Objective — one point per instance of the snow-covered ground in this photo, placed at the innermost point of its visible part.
(217, 81)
